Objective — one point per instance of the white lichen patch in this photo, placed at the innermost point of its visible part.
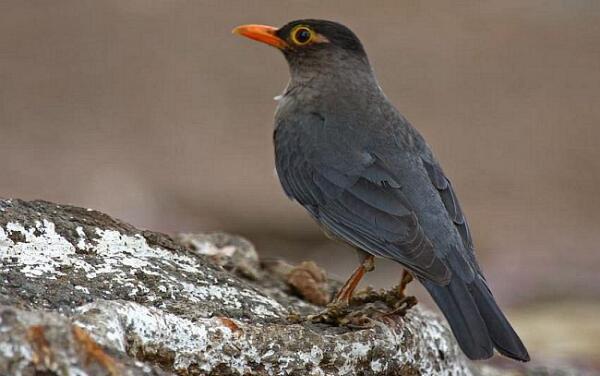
(85, 290)
(376, 366)
(119, 261)
(41, 254)
(82, 237)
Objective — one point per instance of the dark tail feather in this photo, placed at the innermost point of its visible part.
(505, 339)
(475, 319)
(460, 309)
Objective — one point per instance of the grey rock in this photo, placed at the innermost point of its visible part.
(141, 302)
(32, 342)
(233, 253)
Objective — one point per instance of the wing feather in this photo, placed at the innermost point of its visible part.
(364, 207)
(444, 187)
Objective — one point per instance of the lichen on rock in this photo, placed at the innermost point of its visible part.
(83, 293)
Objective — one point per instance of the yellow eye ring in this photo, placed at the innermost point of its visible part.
(302, 35)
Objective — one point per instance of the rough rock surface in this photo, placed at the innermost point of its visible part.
(84, 294)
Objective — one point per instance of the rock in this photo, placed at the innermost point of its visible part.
(233, 253)
(83, 293)
(37, 341)
(310, 281)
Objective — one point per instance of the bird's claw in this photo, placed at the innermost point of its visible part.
(331, 314)
(365, 310)
(401, 307)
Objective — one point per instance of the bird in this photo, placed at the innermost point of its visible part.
(368, 178)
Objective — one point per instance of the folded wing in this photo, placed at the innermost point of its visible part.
(365, 207)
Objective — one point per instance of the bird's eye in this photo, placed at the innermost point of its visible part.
(302, 35)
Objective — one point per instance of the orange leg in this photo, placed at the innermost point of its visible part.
(406, 279)
(346, 292)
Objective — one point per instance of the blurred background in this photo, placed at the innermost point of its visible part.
(150, 110)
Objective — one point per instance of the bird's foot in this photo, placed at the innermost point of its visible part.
(342, 314)
(332, 313)
(400, 307)
(365, 309)
(393, 299)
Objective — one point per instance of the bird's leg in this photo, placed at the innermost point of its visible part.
(406, 279)
(400, 302)
(345, 294)
(338, 311)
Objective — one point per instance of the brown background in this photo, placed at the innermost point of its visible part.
(151, 111)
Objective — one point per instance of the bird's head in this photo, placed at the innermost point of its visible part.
(312, 45)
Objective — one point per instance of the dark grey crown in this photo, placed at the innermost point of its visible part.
(337, 34)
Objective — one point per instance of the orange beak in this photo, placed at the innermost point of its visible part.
(261, 33)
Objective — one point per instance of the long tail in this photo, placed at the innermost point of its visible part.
(476, 320)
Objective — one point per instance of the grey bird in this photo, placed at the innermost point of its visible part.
(345, 153)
